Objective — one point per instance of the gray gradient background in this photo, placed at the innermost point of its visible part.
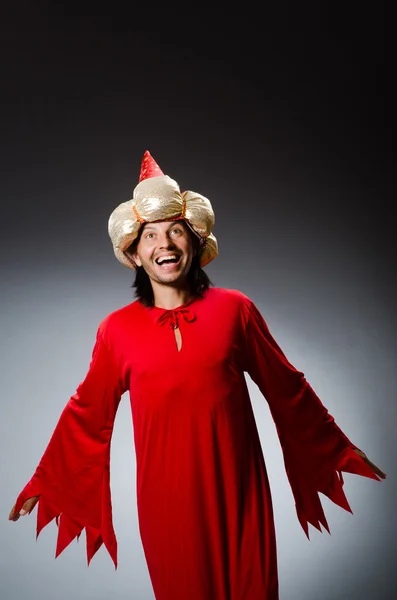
(284, 125)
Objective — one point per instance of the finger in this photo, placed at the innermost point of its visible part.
(380, 472)
(27, 507)
(12, 513)
(29, 504)
(12, 516)
(360, 453)
(376, 469)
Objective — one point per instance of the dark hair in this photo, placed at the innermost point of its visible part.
(197, 279)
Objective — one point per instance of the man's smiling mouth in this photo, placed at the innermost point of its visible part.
(168, 260)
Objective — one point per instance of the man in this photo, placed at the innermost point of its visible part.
(204, 502)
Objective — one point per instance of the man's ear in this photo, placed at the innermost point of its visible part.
(133, 257)
(136, 259)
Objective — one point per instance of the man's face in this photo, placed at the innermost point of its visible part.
(165, 250)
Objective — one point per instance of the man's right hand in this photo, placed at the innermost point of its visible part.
(26, 508)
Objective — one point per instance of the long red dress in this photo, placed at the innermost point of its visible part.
(203, 498)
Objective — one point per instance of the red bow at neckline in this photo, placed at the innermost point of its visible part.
(171, 317)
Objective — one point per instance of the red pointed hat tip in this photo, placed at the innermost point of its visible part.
(149, 167)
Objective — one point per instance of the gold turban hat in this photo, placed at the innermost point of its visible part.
(157, 197)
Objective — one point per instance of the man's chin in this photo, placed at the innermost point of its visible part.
(170, 277)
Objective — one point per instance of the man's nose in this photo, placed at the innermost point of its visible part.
(165, 241)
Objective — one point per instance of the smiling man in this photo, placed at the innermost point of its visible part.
(182, 350)
(167, 253)
(166, 256)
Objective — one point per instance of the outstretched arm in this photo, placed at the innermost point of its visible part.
(72, 480)
(315, 449)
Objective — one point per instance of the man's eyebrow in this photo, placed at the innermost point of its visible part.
(149, 226)
(175, 223)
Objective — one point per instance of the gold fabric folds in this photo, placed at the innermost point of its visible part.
(160, 199)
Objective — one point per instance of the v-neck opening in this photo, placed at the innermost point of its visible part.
(178, 339)
(161, 313)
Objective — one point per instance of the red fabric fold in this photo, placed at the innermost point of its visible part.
(315, 449)
(72, 479)
(308, 504)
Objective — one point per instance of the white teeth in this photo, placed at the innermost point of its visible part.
(162, 258)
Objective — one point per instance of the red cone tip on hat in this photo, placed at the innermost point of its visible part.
(149, 167)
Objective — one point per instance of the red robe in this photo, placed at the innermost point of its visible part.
(203, 497)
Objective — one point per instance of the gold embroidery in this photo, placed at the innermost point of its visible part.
(137, 215)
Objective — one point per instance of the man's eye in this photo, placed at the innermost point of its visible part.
(148, 235)
(176, 230)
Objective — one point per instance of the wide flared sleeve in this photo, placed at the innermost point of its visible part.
(72, 479)
(315, 449)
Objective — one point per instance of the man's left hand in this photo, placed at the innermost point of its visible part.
(375, 469)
